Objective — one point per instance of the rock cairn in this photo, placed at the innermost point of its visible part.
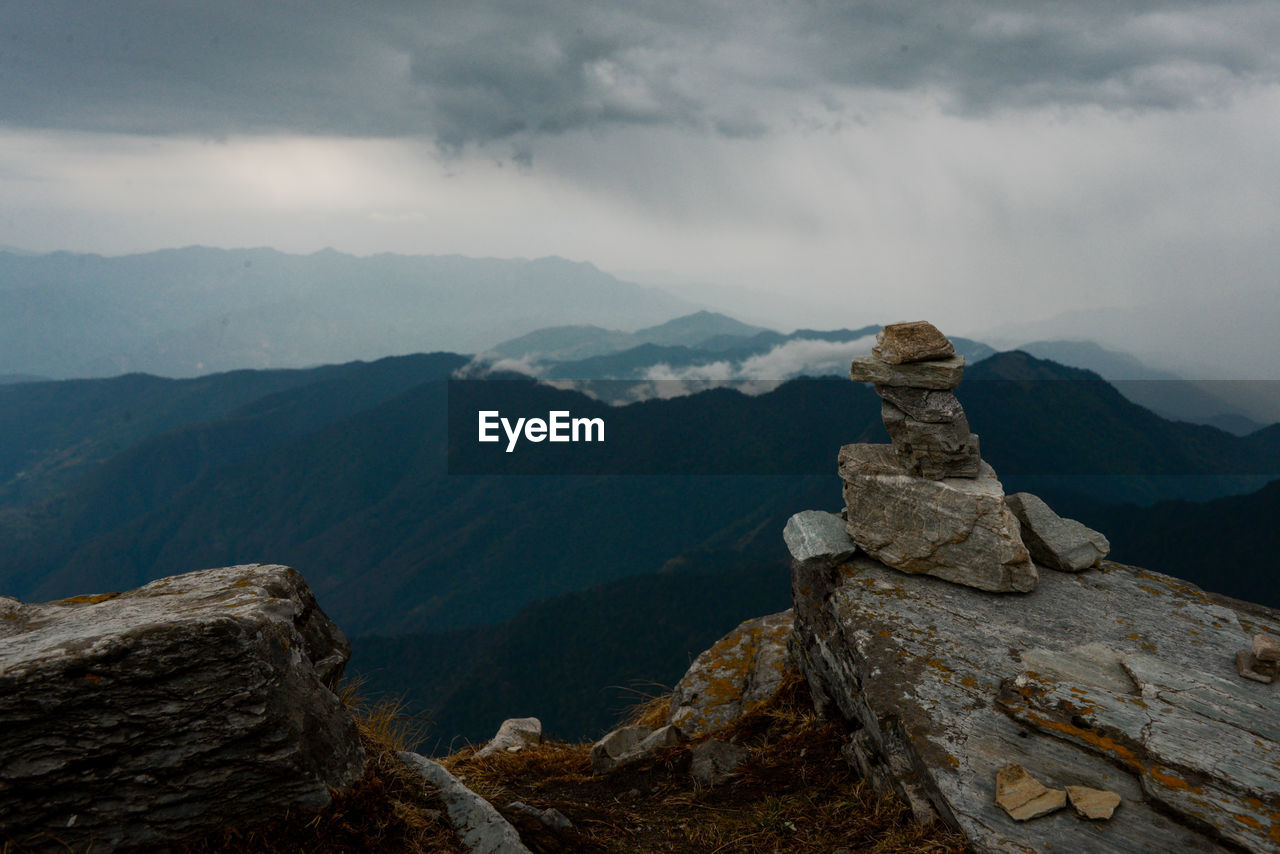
(914, 368)
(928, 504)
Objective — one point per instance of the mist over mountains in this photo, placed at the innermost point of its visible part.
(193, 311)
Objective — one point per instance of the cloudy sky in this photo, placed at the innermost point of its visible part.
(979, 163)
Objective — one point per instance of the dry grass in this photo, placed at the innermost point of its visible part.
(795, 794)
(390, 809)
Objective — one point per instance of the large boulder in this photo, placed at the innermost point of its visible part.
(739, 672)
(193, 703)
(958, 529)
(1119, 680)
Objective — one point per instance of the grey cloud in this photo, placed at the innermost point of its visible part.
(481, 72)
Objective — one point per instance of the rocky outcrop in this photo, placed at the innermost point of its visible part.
(480, 827)
(193, 703)
(959, 529)
(741, 671)
(1114, 679)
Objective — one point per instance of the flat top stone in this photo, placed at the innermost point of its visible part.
(917, 341)
(943, 374)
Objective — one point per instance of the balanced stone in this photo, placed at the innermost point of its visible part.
(812, 534)
(917, 341)
(943, 374)
(923, 404)
(933, 450)
(1266, 647)
(958, 529)
(1062, 544)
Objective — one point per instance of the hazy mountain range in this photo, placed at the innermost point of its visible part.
(186, 312)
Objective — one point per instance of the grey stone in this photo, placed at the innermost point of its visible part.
(630, 743)
(1024, 797)
(958, 529)
(514, 735)
(923, 404)
(194, 703)
(1062, 544)
(917, 341)
(1081, 680)
(714, 761)
(738, 673)
(934, 450)
(1266, 647)
(480, 827)
(815, 535)
(614, 747)
(1093, 804)
(944, 374)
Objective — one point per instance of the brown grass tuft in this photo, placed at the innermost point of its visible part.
(795, 793)
(390, 809)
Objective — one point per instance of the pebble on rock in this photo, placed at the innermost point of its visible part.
(1096, 804)
(1024, 797)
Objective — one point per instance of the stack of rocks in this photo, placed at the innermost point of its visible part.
(915, 368)
(928, 503)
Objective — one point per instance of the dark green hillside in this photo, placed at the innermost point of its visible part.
(579, 660)
(393, 544)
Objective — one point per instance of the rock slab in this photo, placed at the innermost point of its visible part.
(741, 671)
(1082, 680)
(943, 375)
(1062, 544)
(196, 702)
(481, 827)
(958, 529)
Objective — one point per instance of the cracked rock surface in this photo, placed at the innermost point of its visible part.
(1114, 678)
(193, 703)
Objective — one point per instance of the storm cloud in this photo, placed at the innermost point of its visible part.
(475, 73)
